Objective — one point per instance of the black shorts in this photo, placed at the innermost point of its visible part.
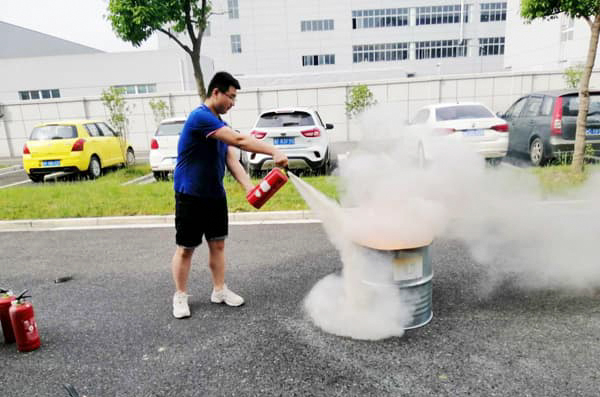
(196, 217)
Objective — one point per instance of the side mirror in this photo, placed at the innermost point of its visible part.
(328, 126)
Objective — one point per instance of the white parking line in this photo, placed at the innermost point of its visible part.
(138, 180)
(16, 184)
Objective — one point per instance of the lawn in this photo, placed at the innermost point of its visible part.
(107, 197)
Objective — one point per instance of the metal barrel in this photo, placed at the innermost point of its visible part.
(412, 273)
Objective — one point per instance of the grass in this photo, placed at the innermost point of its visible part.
(561, 179)
(106, 197)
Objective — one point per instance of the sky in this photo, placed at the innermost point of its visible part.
(81, 21)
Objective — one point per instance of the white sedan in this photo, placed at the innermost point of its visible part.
(163, 148)
(468, 122)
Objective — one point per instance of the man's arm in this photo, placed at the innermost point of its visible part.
(237, 170)
(250, 144)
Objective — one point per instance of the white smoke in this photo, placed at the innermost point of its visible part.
(509, 225)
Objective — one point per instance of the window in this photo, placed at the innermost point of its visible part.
(134, 89)
(236, 44)
(421, 117)
(39, 94)
(173, 128)
(462, 112)
(272, 119)
(93, 130)
(384, 52)
(379, 18)
(567, 26)
(441, 14)
(441, 49)
(546, 109)
(515, 110)
(234, 11)
(53, 131)
(532, 107)
(312, 26)
(314, 60)
(491, 46)
(106, 130)
(491, 12)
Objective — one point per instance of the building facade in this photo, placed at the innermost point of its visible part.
(545, 44)
(263, 41)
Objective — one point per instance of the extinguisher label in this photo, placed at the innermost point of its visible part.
(264, 186)
(30, 329)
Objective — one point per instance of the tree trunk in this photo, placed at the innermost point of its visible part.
(584, 98)
(195, 55)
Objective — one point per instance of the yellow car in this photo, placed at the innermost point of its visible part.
(74, 146)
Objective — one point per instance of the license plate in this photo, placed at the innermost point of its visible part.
(473, 133)
(283, 141)
(50, 163)
(593, 131)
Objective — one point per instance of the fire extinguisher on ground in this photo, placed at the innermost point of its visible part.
(6, 298)
(23, 324)
(267, 187)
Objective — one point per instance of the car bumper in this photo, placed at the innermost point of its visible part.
(313, 157)
(160, 162)
(70, 163)
(560, 145)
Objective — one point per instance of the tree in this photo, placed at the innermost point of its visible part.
(590, 11)
(360, 98)
(134, 21)
(160, 110)
(113, 99)
(573, 75)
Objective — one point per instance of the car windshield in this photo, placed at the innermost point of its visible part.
(290, 119)
(49, 132)
(462, 112)
(571, 105)
(170, 128)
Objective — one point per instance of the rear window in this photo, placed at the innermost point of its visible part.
(462, 112)
(170, 128)
(290, 119)
(49, 132)
(571, 105)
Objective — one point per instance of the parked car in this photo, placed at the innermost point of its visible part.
(163, 147)
(543, 124)
(468, 122)
(299, 132)
(84, 146)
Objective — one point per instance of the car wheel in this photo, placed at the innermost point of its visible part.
(494, 162)
(536, 152)
(36, 178)
(326, 167)
(130, 158)
(161, 175)
(95, 169)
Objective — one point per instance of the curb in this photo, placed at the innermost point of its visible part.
(148, 221)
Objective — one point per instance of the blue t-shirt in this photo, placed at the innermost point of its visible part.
(200, 159)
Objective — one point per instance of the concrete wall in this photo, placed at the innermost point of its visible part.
(404, 96)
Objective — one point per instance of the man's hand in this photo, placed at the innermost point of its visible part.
(280, 159)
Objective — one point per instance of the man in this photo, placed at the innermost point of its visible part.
(205, 147)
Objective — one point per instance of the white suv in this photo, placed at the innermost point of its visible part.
(163, 148)
(299, 133)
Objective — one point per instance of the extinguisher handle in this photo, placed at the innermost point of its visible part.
(22, 295)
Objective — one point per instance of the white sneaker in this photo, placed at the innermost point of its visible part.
(180, 305)
(226, 295)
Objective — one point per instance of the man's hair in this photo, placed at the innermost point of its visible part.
(222, 81)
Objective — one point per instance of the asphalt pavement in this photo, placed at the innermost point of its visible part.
(109, 331)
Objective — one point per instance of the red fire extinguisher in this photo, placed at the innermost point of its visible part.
(267, 187)
(6, 297)
(23, 324)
